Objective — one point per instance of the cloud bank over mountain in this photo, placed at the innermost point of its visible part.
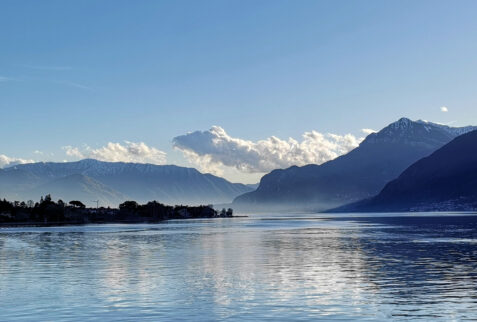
(6, 161)
(368, 131)
(116, 152)
(213, 149)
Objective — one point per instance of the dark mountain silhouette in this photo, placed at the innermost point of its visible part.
(446, 180)
(360, 174)
(109, 182)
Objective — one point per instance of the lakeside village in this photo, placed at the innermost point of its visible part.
(48, 212)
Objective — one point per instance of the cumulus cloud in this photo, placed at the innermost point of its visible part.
(211, 150)
(368, 131)
(444, 109)
(75, 152)
(6, 161)
(117, 152)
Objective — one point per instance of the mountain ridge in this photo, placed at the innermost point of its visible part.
(141, 182)
(446, 180)
(359, 174)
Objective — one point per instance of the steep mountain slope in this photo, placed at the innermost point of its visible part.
(141, 182)
(78, 187)
(361, 173)
(14, 183)
(445, 180)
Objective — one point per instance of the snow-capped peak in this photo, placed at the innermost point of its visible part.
(455, 131)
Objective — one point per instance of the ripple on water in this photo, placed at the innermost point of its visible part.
(259, 268)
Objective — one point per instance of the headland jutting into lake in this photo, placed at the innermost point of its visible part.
(47, 212)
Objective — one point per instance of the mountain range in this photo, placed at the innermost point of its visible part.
(359, 174)
(418, 146)
(115, 182)
(444, 181)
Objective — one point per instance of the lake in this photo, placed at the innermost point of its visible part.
(262, 268)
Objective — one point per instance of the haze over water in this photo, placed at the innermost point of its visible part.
(274, 267)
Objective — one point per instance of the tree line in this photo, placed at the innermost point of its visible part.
(48, 211)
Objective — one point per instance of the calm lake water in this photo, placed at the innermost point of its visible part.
(275, 268)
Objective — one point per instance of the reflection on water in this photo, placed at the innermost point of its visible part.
(258, 268)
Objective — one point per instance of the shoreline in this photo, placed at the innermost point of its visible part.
(63, 223)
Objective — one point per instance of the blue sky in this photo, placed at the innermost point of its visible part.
(77, 75)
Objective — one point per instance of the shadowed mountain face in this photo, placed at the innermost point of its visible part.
(361, 173)
(112, 183)
(444, 181)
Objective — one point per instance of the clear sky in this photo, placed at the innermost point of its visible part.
(76, 76)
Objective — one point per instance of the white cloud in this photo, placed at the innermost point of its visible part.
(6, 161)
(444, 109)
(368, 131)
(74, 152)
(117, 152)
(213, 149)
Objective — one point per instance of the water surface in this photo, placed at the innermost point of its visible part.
(269, 267)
